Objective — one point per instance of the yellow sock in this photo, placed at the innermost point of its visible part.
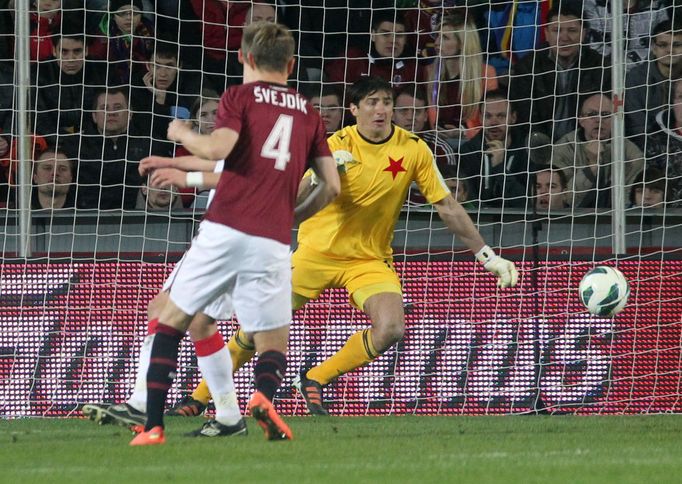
(241, 351)
(357, 352)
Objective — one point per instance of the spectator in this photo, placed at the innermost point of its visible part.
(45, 19)
(648, 84)
(65, 87)
(639, 16)
(649, 190)
(424, 20)
(458, 187)
(53, 178)
(457, 80)
(208, 30)
(125, 39)
(512, 31)
(388, 58)
(585, 155)
(203, 114)
(160, 101)
(495, 162)
(329, 102)
(551, 189)
(8, 166)
(664, 148)
(546, 84)
(107, 171)
(410, 112)
(158, 199)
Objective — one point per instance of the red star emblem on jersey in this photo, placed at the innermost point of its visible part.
(395, 166)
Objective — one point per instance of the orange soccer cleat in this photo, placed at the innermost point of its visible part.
(154, 436)
(274, 427)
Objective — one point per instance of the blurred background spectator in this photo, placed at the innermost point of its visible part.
(586, 158)
(53, 180)
(494, 163)
(640, 17)
(65, 87)
(389, 56)
(109, 155)
(160, 96)
(551, 189)
(410, 112)
(648, 84)
(649, 189)
(457, 79)
(546, 84)
(125, 39)
(329, 102)
(157, 199)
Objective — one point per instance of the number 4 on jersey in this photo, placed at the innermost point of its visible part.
(276, 146)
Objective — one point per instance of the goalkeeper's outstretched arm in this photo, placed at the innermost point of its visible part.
(314, 197)
(460, 224)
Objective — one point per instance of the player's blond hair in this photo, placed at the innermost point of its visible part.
(271, 45)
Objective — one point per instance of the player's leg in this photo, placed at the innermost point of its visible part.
(206, 273)
(214, 362)
(262, 302)
(269, 370)
(374, 287)
(242, 350)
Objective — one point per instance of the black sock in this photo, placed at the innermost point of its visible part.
(269, 371)
(162, 364)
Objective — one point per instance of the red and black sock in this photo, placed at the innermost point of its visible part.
(269, 371)
(162, 365)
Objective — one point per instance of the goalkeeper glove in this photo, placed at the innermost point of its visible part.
(503, 269)
(341, 157)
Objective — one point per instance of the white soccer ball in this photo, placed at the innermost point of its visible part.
(604, 291)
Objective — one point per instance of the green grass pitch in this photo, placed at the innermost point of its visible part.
(509, 449)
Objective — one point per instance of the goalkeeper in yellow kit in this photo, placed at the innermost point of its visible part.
(348, 243)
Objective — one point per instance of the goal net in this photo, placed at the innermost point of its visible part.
(554, 160)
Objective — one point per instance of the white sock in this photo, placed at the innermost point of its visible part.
(138, 400)
(216, 368)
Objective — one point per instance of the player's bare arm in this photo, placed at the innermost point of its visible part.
(460, 224)
(327, 189)
(215, 146)
(165, 177)
(185, 163)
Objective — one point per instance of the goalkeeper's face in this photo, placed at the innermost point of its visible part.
(373, 115)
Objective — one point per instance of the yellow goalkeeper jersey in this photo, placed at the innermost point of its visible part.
(359, 224)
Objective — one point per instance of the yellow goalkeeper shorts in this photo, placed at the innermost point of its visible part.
(313, 272)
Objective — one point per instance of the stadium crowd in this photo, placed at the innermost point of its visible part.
(513, 97)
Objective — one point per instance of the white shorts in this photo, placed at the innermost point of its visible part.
(255, 272)
(220, 309)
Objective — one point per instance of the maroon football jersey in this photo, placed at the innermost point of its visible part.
(279, 134)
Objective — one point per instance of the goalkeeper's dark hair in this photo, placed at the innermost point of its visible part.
(77, 36)
(366, 86)
(272, 45)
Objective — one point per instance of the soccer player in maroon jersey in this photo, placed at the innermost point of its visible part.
(268, 135)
